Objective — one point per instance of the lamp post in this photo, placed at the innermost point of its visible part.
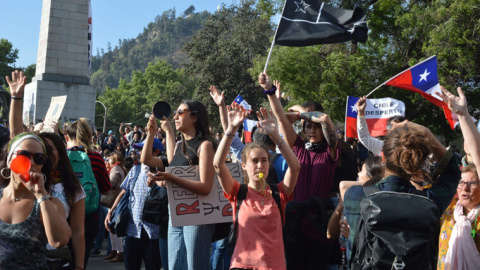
(105, 116)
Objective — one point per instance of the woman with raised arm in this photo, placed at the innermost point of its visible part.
(189, 246)
(29, 216)
(259, 240)
(318, 159)
(63, 183)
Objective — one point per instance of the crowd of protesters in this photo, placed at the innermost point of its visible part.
(299, 207)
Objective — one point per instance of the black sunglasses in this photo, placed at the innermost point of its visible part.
(180, 112)
(38, 158)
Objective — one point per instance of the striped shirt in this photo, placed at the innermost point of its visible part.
(100, 172)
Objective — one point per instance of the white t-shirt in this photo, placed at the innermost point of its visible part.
(59, 192)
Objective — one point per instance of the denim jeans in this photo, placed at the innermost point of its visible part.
(221, 255)
(138, 249)
(164, 252)
(189, 247)
(101, 231)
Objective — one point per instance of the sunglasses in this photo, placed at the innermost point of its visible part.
(38, 158)
(180, 112)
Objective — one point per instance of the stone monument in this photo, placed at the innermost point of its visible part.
(62, 63)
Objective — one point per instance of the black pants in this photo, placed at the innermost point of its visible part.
(307, 254)
(145, 249)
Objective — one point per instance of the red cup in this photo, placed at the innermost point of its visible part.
(21, 165)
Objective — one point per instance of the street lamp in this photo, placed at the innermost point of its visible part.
(105, 117)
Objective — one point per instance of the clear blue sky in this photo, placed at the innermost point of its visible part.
(111, 20)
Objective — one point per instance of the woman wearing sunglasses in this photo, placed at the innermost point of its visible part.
(29, 216)
(63, 184)
(188, 246)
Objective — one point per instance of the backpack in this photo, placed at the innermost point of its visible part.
(272, 178)
(241, 195)
(83, 170)
(396, 231)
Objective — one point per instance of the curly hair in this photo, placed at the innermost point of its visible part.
(406, 151)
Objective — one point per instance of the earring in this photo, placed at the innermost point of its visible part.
(2, 173)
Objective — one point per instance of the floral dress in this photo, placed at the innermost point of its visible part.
(447, 221)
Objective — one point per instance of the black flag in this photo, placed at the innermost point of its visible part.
(310, 22)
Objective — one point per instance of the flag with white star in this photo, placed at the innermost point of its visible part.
(310, 22)
(423, 79)
(377, 113)
(240, 101)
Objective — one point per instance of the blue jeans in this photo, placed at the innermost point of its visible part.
(189, 247)
(101, 231)
(145, 249)
(221, 255)
(163, 252)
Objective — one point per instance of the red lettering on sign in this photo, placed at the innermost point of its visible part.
(227, 210)
(185, 209)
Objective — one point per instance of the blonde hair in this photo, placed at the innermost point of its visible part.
(81, 131)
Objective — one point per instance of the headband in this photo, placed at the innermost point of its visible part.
(20, 138)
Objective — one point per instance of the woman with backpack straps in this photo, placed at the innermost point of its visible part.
(79, 138)
(63, 183)
(259, 239)
(188, 246)
(318, 159)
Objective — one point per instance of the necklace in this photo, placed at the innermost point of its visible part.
(16, 199)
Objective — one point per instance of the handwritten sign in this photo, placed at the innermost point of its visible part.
(54, 112)
(189, 208)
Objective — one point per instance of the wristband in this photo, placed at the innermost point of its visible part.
(230, 135)
(281, 143)
(44, 198)
(17, 98)
(271, 91)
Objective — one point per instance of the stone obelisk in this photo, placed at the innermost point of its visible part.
(62, 63)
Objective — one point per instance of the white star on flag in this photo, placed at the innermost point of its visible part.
(301, 6)
(424, 76)
(354, 108)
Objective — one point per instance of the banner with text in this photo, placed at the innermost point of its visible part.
(189, 208)
(377, 113)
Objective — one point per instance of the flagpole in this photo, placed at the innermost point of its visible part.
(273, 41)
(397, 76)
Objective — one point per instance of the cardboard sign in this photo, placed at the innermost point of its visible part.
(54, 112)
(189, 208)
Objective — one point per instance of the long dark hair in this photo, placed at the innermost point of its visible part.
(70, 182)
(202, 126)
(46, 169)
(375, 170)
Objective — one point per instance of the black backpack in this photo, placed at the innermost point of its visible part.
(241, 195)
(396, 231)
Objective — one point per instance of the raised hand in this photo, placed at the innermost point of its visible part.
(264, 81)
(361, 105)
(278, 93)
(152, 125)
(165, 124)
(236, 115)
(218, 98)
(267, 123)
(17, 84)
(458, 105)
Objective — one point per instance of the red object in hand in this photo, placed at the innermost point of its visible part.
(21, 165)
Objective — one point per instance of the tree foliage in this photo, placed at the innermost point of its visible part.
(401, 34)
(224, 49)
(8, 56)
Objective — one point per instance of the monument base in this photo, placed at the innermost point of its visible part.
(38, 94)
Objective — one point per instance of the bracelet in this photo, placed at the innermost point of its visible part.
(230, 135)
(281, 143)
(17, 98)
(46, 197)
(271, 91)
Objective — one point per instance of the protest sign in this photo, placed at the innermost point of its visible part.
(54, 112)
(189, 208)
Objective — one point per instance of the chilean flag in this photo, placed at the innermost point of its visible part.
(422, 78)
(377, 113)
(240, 101)
(247, 129)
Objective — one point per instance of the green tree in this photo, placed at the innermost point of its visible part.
(8, 56)
(131, 100)
(222, 52)
(401, 34)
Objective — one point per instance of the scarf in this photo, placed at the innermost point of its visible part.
(462, 253)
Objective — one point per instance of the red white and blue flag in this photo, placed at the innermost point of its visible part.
(377, 113)
(247, 129)
(423, 79)
(240, 101)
